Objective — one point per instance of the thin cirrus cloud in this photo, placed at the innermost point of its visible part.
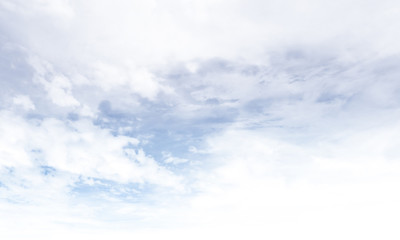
(201, 119)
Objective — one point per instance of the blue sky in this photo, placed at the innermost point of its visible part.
(199, 119)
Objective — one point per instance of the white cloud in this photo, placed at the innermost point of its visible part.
(168, 158)
(59, 91)
(24, 101)
(282, 191)
(289, 109)
(157, 32)
(57, 86)
(263, 188)
(78, 148)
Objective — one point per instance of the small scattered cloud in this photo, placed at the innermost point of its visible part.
(168, 158)
(24, 101)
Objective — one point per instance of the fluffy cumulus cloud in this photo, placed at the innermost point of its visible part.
(199, 119)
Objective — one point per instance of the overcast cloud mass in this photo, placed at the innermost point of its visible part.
(202, 119)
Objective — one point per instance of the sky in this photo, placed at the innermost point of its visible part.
(201, 119)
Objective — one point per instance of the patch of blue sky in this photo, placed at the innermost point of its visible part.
(172, 133)
(178, 143)
(15, 73)
(47, 170)
(164, 130)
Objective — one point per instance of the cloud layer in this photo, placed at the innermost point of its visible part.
(201, 119)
